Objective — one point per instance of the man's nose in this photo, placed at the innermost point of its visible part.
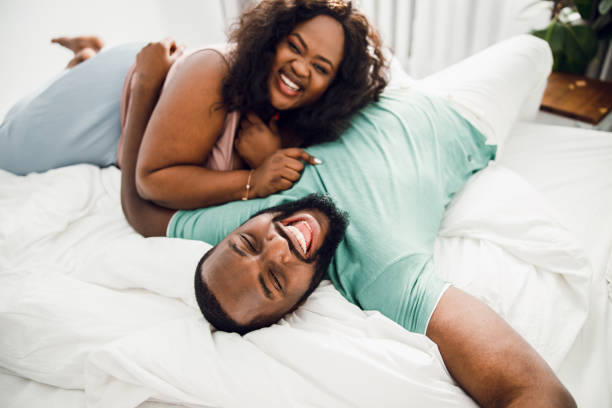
(276, 248)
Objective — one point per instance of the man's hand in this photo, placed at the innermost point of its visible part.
(280, 170)
(488, 359)
(256, 141)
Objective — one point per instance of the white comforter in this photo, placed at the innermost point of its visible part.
(88, 304)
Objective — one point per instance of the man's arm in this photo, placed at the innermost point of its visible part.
(490, 360)
(152, 64)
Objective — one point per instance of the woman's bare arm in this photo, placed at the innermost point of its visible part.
(152, 64)
(185, 125)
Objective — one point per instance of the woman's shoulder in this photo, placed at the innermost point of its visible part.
(204, 63)
(223, 50)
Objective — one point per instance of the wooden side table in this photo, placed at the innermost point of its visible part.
(573, 100)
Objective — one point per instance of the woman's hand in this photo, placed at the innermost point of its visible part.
(280, 170)
(153, 62)
(256, 141)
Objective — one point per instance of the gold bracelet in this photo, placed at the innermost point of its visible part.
(248, 187)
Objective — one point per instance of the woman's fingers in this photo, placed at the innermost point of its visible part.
(168, 41)
(170, 45)
(290, 174)
(301, 154)
(281, 170)
(284, 184)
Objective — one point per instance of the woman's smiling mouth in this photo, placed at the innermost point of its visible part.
(288, 86)
(287, 81)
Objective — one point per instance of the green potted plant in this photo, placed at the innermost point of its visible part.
(576, 30)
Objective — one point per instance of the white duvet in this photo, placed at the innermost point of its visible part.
(88, 304)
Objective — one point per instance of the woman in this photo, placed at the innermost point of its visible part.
(297, 71)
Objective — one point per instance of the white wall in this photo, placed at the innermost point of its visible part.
(428, 35)
(447, 31)
(28, 60)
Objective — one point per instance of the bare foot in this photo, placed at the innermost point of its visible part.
(83, 55)
(76, 44)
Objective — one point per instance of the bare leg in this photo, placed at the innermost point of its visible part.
(76, 44)
(83, 47)
(83, 55)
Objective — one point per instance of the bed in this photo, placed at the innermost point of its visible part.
(92, 314)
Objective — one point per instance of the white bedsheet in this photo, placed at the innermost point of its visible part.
(570, 171)
(87, 304)
(74, 314)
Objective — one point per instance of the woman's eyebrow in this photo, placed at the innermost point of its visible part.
(303, 43)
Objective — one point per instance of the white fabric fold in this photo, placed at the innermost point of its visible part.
(502, 242)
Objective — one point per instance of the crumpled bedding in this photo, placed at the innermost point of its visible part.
(88, 304)
(517, 261)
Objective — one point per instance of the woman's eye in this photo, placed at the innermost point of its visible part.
(320, 69)
(293, 47)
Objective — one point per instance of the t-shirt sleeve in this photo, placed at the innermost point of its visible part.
(212, 224)
(406, 291)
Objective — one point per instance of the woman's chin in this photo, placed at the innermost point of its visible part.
(282, 104)
(281, 101)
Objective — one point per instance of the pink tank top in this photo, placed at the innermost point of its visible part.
(221, 157)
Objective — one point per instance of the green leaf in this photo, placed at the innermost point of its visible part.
(579, 48)
(554, 36)
(573, 47)
(586, 39)
(584, 8)
(605, 6)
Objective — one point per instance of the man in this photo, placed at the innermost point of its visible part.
(283, 252)
(395, 169)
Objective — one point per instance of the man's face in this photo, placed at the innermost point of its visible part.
(264, 267)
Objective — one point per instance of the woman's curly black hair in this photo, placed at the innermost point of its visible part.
(361, 76)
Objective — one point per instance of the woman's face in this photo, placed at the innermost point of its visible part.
(306, 63)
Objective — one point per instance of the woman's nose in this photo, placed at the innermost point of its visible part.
(300, 68)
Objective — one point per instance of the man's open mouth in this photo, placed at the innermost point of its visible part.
(303, 231)
(303, 234)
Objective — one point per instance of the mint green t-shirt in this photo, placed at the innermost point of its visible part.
(393, 170)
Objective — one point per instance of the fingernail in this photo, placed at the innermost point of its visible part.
(316, 161)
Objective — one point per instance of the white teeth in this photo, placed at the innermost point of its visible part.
(289, 82)
(298, 235)
(307, 225)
